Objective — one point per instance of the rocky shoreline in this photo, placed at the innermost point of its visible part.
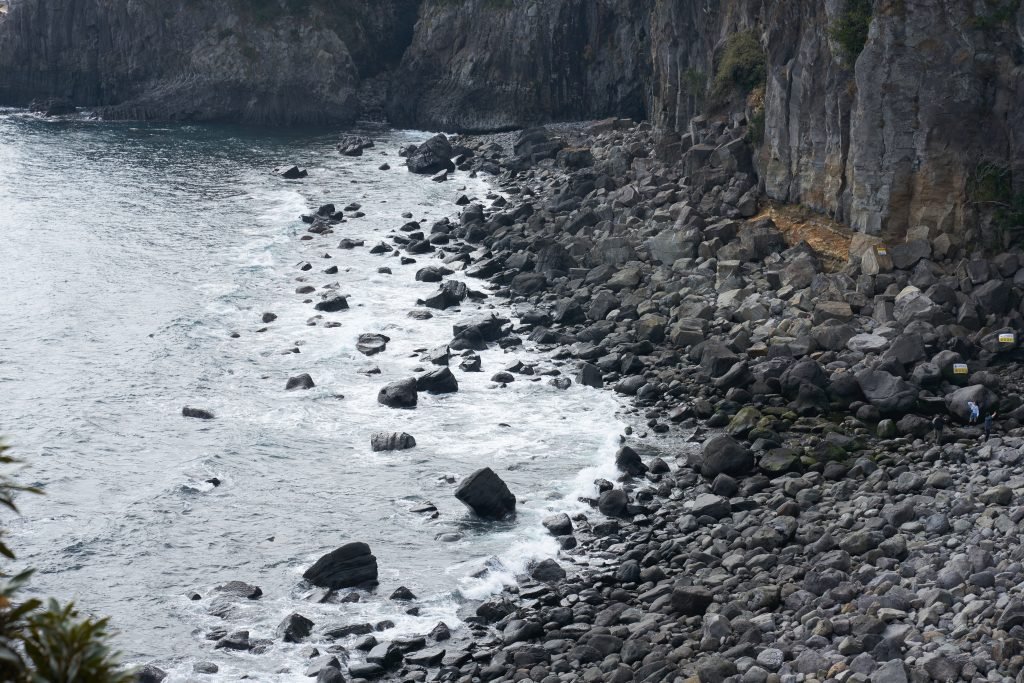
(783, 514)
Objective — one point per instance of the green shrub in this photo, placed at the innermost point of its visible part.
(850, 29)
(51, 645)
(991, 189)
(743, 65)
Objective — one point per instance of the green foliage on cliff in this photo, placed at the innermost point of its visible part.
(991, 189)
(743, 65)
(42, 644)
(850, 29)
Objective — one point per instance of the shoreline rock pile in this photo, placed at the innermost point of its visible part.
(784, 514)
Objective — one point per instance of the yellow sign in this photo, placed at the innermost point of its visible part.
(882, 251)
(959, 368)
(1006, 338)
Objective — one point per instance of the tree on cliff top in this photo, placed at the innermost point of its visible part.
(51, 643)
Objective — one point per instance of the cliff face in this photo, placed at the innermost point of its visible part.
(918, 129)
(496, 64)
(188, 59)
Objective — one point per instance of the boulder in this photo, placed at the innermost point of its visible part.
(450, 293)
(547, 571)
(613, 503)
(890, 394)
(391, 441)
(433, 156)
(332, 304)
(691, 601)
(295, 628)
(558, 525)
(197, 413)
(628, 461)
(303, 381)
(722, 454)
(400, 394)
(438, 381)
(487, 495)
(370, 344)
(350, 565)
(956, 402)
(905, 256)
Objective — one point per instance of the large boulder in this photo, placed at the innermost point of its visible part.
(805, 370)
(628, 461)
(956, 402)
(350, 565)
(391, 441)
(450, 293)
(400, 394)
(889, 393)
(432, 156)
(486, 494)
(722, 454)
(439, 381)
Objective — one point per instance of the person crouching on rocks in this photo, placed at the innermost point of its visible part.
(988, 425)
(937, 424)
(975, 411)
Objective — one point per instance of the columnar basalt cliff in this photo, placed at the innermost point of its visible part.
(893, 116)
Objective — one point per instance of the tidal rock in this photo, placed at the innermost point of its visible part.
(628, 461)
(370, 344)
(240, 589)
(332, 304)
(487, 495)
(150, 674)
(391, 441)
(198, 413)
(439, 381)
(547, 571)
(613, 503)
(433, 156)
(350, 565)
(295, 628)
(400, 394)
(558, 525)
(303, 381)
(292, 173)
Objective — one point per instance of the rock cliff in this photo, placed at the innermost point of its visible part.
(242, 60)
(896, 117)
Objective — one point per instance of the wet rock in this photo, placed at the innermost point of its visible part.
(295, 628)
(433, 156)
(150, 674)
(628, 461)
(332, 304)
(486, 495)
(303, 381)
(439, 381)
(197, 413)
(292, 173)
(350, 565)
(239, 640)
(370, 344)
(589, 375)
(450, 294)
(391, 441)
(204, 668)
(547, 571)
(402, 593)
(558, 525)
(240, 589)
(400, 394)
(385, 655)
(330, 674)
(613, 503)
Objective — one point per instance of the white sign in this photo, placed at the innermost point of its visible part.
(1006, 338)
(959, 368)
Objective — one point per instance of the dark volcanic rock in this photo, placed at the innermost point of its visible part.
(198, 413)
(303, 381)
(400, 394)
(433, 156)
(391, 441)
(439, 381)
(370, 344)
(487, 495)
(332, 304)
(350, 565)
(295, 628)
(722, 454)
